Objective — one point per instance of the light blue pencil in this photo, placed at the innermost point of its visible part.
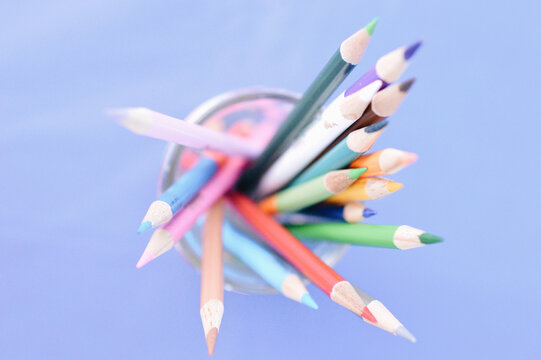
(266, 265)
(347, 150)
(179, 193)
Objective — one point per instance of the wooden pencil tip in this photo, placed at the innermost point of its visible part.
(352, 49)
(343, 293)
(211, 337)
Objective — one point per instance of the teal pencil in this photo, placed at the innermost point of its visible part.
(347, 150)
(331, 76)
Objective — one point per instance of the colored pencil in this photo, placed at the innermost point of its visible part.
(150, 123)
(355, 144)
(297, 218)
(311, 192)
(401, 237)
(331, 76)
(385, 319)
(384, 104)
(351, 213)
(336, 118)
(188, 184)
(165, 237)
(298, 255)
(388, 68)
(179, 193)
(384, 162)
(266, 265)
(189, 157)
(372, 188)
(212, 286)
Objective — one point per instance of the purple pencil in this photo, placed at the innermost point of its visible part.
(388, 68)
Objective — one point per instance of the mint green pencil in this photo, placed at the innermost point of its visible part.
(401, 237)
(312, 192)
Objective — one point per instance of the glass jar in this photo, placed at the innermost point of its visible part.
(256, 105)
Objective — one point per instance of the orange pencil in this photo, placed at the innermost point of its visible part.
(384, 162)
(338, 289)
(212, 287)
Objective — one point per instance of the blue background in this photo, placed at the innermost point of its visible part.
(74, 185)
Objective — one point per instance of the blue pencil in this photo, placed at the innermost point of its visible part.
(347, 150)
(352, 213)
(266, 265)
(179, 193)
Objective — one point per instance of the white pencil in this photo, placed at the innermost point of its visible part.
(336, 118)
(150, 123)
(385, 319)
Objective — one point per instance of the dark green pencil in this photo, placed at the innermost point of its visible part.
(331, 76)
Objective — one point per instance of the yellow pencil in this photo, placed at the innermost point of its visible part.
(366, 189)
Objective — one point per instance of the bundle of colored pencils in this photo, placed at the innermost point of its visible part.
(302, 181)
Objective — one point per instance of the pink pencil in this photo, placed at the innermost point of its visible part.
(168, 235)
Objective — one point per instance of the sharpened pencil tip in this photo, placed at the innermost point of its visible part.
(371, 25)
(409, 158)
(211, 337)
(427, 238)
(367, 212)
(355, 173)
(405, 86)
(404, 333)
(393, 186)
(144, 259)
(307, 300)
(410, 51)
(376, 127)
(145, 225)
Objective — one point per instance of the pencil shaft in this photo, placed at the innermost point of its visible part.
(266, 264)
(401, 237)
(343, 153)
(286, 244)
(351, 213)
(384, 104)
(311, 192)
(166, 237)
(335, 71)
(332, 122)
(211, 261)
(160, 126)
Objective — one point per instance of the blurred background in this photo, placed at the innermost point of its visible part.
(75, 185)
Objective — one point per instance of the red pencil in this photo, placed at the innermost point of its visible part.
(338, 289)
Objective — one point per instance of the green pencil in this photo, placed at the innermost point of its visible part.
(311, 192)
(331, 76)
(401, 237)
